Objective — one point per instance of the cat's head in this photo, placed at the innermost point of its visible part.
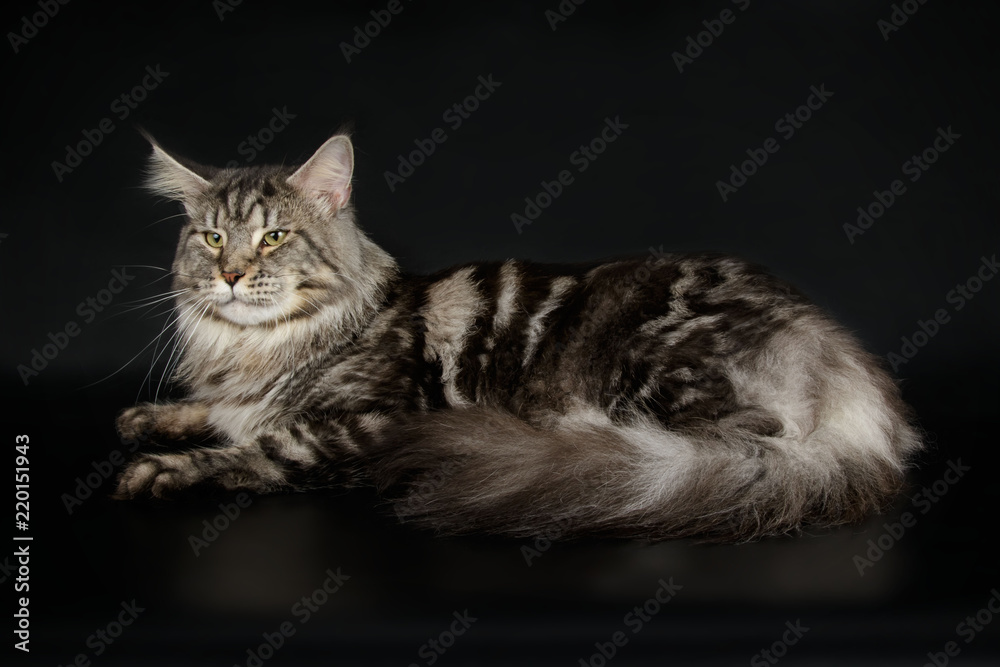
(267, 245)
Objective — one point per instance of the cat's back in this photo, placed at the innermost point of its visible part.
(510, 332)
(500, 289)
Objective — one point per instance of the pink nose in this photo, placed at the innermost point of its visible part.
(232, 276)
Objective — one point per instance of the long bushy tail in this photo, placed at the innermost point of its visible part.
(823, 447)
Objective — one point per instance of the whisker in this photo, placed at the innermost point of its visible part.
(172, 342)
(139, 266)
(194, 329)
(152, 302)
(169, 368)
(187, 308)
(146, 347)
(157, 297)
(289, 364)
(313, 303)
(169, 217)
(156, 280)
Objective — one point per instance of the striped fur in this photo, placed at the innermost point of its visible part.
(691, 396)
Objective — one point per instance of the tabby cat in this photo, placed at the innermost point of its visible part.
(693, 395)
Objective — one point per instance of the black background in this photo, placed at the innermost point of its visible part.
(655, 185)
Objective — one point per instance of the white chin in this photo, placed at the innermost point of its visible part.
(246, 314)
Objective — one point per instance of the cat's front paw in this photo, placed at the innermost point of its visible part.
(156, 475)
(136, 422)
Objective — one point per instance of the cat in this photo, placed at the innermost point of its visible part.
(691, 396)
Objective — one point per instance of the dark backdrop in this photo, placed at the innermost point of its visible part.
(888, 93)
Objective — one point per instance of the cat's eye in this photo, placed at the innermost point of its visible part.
(214, 239)
(277, 237)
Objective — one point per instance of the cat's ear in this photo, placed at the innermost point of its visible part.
(166, 176)
(326, 176)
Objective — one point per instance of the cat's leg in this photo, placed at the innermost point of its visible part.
(176, 421)
(293, 457)
(230, 467)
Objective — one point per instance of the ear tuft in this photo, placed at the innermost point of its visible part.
(166, 176)
(326, 176)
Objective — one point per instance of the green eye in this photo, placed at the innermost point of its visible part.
(213, 239)
(276, 237)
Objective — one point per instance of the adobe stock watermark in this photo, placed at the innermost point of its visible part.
(104, 637)
(562, 12)
(914, 168)
(256, 142)
(121, 107)
(581, 158)
(779, 649)
(542, 543)
(7, 569)
(302, 611)
(364, 34)
(656, 260)
(103, 470)
(957, 297)
(640, 275)
(635, 621)
(696, 44)
(429, 484)
(968, 629)
(923, 502)
(787, 126)
(22, 585)
(434, 648)
(87, 310)
(32, 23)
(228, 514)
(454, 116)
(223, 7)
(898, 17)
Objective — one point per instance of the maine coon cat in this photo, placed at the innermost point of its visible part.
(694, 395)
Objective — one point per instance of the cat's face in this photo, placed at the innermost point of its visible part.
(262, 245)
(253, 252)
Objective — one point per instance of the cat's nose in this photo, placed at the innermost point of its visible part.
(232, 276)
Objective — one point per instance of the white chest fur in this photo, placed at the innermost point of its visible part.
(243, 377)
(240, 422)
